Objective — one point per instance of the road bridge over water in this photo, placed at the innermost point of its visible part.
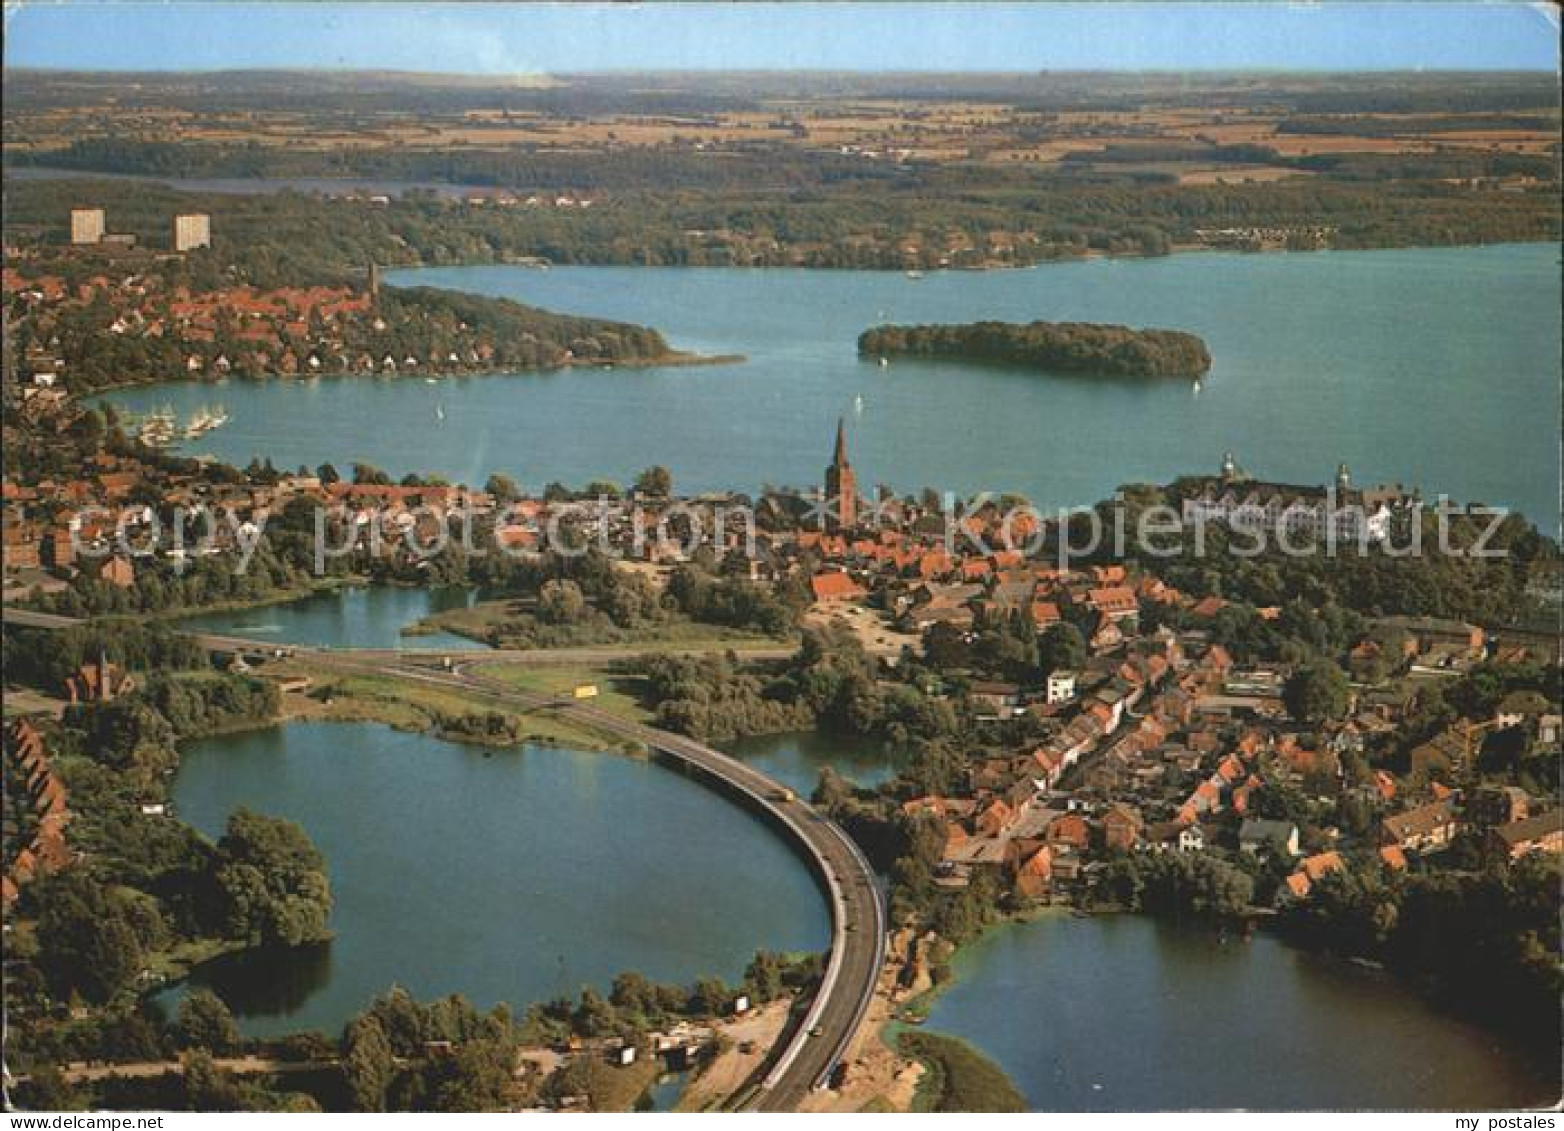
(810, 1050)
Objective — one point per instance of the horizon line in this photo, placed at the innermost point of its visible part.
(889, 71)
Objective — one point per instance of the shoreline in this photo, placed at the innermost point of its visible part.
(911, 1016)
(922, 1003)
(675, 359)
(921, 274)
(25, 171)
(319, 586)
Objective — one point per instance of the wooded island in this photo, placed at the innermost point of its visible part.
(1059, 347)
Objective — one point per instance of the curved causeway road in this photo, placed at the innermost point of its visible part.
(810, 1056)
(810, 1052)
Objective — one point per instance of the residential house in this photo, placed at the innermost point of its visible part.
(1034, 873)
(1310, 871)
(1116, 603)
(1429, 632)
(1428, 828)
(1541, 833)
(995, 698)
(1262, 836)
(1121, 827)
(1175, 836)
(1060, 688)
(1520, 708)
(1069, 830)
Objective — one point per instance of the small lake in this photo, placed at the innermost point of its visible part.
(796, 758)
(665, 1093)
(1435, 367)
(1120, 1013)
(509, 875)
(350, 617)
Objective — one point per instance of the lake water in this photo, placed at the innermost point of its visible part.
(350, 617)
(512, 875)
(523, 874)
(665, 1093)
(1436, 367)
(795, 759)
(1119, 1013)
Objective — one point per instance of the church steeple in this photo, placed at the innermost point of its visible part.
(841, 486)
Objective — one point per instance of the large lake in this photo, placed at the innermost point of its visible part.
(1120, 1013)
(505, 875)
(1431, 367)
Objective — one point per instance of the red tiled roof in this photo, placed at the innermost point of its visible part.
(835, 587)
(1113, 599)
(1393, 858)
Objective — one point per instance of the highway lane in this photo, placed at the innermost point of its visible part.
(811, 1052)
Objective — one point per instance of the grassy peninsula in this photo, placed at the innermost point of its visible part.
(1058, 347)
(958, 1077)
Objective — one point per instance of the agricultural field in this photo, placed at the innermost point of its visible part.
(1000, 120)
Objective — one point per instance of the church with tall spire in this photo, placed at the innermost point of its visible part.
(841, 486)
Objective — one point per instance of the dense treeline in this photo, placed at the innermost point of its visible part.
(1177, 885)
(1459, 164)
(425, 322)
(1356, 125)
(1486, 942)
(830, 682)
(163, 586)
(349, 96)
(528, 170)
(1441, 580)
(938, 215)
(1058, 347)
(145, 892)
(45, 657)
(520, 168)
(262, 883)
(400, 1054)
(563, 600)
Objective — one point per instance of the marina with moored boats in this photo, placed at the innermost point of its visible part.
(161, 427)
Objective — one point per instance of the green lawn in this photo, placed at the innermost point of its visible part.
(414, 705)
(25, 701)
(958, 1077)
(617, 694)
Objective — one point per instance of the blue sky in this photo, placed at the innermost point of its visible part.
(493, 39)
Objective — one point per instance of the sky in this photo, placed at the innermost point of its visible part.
(543, 38)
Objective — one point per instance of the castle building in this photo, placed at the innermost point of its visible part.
(841, 486)
(1349, 513)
